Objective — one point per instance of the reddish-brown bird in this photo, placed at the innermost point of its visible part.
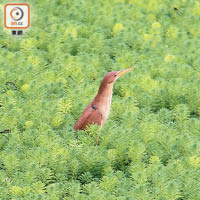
(98, 110)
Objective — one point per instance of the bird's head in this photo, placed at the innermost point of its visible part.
(111, 77)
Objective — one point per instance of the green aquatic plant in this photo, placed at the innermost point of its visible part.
(148, 149)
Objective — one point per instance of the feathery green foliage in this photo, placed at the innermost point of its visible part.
(149, 148)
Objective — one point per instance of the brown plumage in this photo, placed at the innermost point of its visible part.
(98, 110)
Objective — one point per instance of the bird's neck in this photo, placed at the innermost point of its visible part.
(105, 92)
(103, 100)
(104, 97)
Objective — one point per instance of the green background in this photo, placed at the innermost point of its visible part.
(149, 148)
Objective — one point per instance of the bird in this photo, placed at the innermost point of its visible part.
(98, 110)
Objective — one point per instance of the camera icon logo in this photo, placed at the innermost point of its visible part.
(17, 13)
(17, 16)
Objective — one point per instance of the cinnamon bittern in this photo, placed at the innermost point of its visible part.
(98, 110)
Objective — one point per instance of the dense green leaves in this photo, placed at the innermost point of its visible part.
(149, 147)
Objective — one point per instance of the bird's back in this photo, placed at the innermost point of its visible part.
(90, 115)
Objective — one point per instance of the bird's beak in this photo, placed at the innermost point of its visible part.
(122, 72)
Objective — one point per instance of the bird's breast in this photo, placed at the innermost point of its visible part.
(105, 109)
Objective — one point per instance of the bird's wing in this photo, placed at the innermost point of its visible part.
(89, 116)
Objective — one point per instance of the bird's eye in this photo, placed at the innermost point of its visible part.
(115, 75)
